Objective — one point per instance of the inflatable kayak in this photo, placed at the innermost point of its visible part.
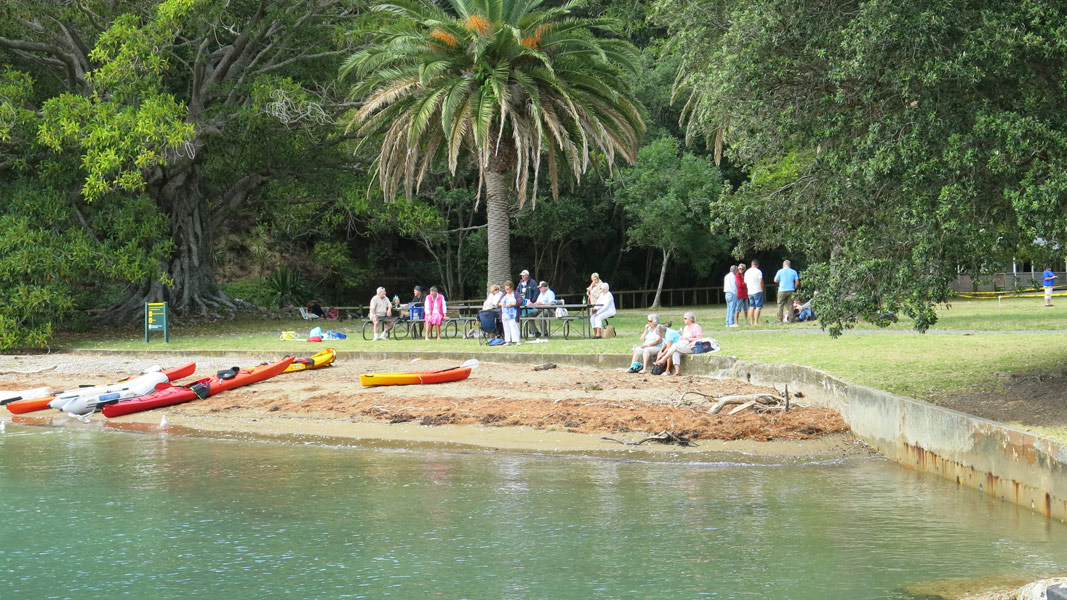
(442, 376)
(318, 361)
(170, 395)
(24, 406)
(34, 394)
(76, 403)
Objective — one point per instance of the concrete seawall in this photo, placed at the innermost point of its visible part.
(1001, 461)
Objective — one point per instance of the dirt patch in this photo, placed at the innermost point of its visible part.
(1030, 399)
(563, 399)
(504, 395)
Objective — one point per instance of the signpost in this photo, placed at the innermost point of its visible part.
(155, 319)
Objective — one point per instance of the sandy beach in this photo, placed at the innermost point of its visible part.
(502, 406)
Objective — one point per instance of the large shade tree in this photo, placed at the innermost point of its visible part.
(200, 107)
(889, 142)
(506, 84)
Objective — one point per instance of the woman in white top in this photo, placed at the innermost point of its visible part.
(603, 308)
(651, 340)
(493, 299)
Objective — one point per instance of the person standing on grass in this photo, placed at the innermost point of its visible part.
(729, 287)
(380, 312)
(742, 295)
(754, 283)
(527, 288)
(1050, 280)
(788, 281)
(509, 313)
(436, 311)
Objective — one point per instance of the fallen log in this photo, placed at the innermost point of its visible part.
(741, 399)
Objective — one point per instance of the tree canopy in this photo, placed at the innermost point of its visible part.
(889, 143)
(510, 84)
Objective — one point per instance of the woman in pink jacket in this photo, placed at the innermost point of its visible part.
(436, 311)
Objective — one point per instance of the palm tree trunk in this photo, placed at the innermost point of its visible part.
(498, 217)
(662, 275)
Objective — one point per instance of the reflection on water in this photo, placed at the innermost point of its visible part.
(105, 514)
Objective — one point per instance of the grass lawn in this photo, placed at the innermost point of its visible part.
(972, 340)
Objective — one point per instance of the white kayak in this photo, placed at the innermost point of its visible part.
(84, 401)
(33, 394)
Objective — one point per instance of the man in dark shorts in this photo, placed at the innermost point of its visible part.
(754, 282)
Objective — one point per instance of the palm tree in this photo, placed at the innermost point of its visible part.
(504, 82)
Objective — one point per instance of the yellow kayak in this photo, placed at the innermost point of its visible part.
(445, 375)
(322, 359)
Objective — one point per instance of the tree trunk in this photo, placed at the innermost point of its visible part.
(194, 291)
(497, 205)
(662, 276)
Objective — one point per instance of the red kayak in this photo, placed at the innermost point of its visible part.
(176, 394)
(24, 406)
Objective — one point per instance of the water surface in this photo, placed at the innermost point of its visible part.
(86, 514)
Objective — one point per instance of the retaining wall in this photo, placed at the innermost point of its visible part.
(1001, 461)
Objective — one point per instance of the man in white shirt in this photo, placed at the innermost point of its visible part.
(381, 311)
(754, 283)
(729, 286)
(545, 299)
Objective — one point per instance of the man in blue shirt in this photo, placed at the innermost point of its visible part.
(545, 299)
(1050, 280)
(788, 281)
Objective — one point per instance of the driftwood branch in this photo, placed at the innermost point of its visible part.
(742, 399)
(663, 437)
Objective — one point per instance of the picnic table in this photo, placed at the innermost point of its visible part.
(463, 321)
(574, 323)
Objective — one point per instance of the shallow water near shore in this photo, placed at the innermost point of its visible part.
(103, 514)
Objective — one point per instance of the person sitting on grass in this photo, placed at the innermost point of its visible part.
(436, 312)
(603, 308)
(803, 312)
(651, 340)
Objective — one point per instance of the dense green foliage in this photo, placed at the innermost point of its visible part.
(889, 142)
(190, 116)
(152, 149)
(666, 197)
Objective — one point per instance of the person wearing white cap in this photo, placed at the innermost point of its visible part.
(527, 287)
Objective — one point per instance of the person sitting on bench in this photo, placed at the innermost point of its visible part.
(603, 308)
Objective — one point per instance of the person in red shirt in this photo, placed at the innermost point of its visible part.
(742, 295)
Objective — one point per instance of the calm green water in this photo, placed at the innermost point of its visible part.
(88, 514)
